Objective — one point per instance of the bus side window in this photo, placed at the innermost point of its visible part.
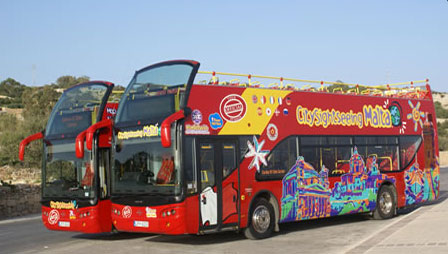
(189, 166)
(280, 160)
(207, 162)
(408, 149)
(363, 151)
(228, 159)
(386, 156)
(328, 160)
(342, 163)
(312, 156)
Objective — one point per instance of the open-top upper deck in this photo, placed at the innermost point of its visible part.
(409, 89)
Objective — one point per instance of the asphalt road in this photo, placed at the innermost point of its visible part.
(344, 234)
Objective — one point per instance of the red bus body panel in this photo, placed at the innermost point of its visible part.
(150, 219)
(98, 220)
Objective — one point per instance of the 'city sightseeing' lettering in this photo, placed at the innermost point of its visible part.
(376, 117)
(63, 205)
(147, 131)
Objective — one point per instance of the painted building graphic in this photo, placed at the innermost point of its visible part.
(423, 184)
(307, 195)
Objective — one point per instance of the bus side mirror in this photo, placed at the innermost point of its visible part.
(26, 141)
(165, 128)
(107, 123)
(79, 144)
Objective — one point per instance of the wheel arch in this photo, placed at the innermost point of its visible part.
(265, 194)
(394, 190)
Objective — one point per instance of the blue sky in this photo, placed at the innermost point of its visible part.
(367, 42)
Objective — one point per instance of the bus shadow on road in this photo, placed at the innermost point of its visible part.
(221, 237)
(304, 225)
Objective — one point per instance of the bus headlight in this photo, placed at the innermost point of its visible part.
(169, 213)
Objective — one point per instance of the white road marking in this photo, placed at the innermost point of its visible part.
(365, 239)
(34, 217)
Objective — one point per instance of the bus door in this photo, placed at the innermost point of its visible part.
(218, 183)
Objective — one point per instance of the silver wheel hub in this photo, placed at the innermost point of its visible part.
(261, 219)
(385, 202)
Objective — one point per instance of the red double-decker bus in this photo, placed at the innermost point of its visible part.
(196, 157)
(75, 191)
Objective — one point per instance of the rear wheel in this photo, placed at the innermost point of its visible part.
(262, 220)
(385, 204)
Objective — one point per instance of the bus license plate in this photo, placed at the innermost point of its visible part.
(64, 224)
(141, 224)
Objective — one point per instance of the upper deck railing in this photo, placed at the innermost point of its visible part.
(397, 90)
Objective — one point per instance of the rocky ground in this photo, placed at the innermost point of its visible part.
(10, 175)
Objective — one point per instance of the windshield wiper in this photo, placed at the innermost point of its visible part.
(74, 188)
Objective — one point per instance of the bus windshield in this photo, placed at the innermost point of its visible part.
(154, 93)
(64, 175)
(76, 110)
(143, 166)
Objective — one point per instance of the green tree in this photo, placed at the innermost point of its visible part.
(13, 90)
(68, 81)
(11, 133)
(38, 103)
(441, 112)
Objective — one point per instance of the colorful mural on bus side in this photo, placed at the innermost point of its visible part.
(307, 195)
(423, 184)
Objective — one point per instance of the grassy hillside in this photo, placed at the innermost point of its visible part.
(24, 111)
(441, 106)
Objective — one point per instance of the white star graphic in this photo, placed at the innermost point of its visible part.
(256, 151)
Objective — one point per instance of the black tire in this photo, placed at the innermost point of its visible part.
(261, 221)
(385, 203)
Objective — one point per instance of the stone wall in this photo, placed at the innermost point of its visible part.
(19, 200)
(443, 157)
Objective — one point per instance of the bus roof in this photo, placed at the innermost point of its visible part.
(397, 90)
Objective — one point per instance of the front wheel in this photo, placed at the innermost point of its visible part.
(385, 204)
(262, 220)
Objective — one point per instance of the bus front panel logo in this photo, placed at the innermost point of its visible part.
(233, 108)
(53, 217)
(127, 212)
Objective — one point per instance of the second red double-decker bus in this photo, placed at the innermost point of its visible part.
(211, 156)
(75, 191)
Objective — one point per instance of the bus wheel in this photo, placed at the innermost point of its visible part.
(385, 204)
(262, 220)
